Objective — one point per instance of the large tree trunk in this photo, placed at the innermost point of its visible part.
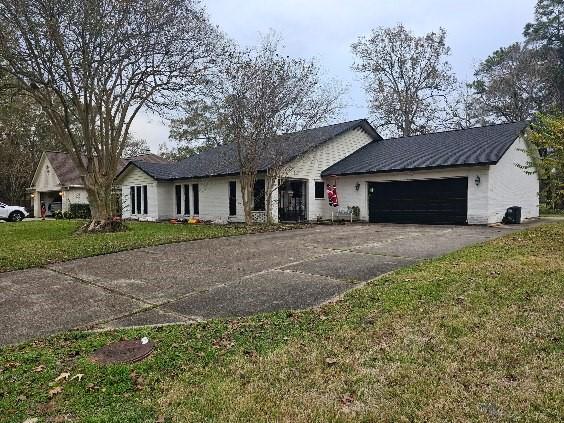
(247, 187)
(101, 206)
(271, 186)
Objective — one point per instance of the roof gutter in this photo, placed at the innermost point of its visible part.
(325, 174)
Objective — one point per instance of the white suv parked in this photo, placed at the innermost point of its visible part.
(12, 213)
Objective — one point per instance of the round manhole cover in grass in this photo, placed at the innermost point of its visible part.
(123, 352)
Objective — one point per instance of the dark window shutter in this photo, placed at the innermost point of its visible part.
(232, 198)
(187, 200)
(196, 198)
(132, 199)
(178, 192)
(145, 200)
(138, 200)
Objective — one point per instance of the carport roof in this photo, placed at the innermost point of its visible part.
(465, 147)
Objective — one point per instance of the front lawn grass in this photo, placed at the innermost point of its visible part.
(36, 243)
(477, 335)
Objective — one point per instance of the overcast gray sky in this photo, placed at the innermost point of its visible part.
(325, 29)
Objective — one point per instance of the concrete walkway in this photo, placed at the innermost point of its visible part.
(221, 277)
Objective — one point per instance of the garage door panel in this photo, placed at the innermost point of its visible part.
(433, 201)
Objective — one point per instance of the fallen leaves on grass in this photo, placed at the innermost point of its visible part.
(56, 390)
(64, 375)
(137, 380)
(39, 368)
(78, 376)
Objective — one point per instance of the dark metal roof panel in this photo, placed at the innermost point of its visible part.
(483, 145)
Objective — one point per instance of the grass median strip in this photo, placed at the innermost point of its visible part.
(473, 336)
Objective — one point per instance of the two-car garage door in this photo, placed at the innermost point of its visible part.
(433, 201)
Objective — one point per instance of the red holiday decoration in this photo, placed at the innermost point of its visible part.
(332, 195)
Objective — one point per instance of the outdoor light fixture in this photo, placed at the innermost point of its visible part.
(357, 186)
(477, 180)
(61, 193)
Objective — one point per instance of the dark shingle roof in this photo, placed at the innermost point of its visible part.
(222, 160)
(64, 168)
(465, 147)
(68, 174)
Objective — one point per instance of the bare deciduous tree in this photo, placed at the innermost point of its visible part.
(135, 147)
(406, 77)
(25, 132)
(260, 95)
(92, 65)
(512, 84)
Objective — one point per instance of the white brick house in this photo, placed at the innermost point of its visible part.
(207, 185)
(466, 176)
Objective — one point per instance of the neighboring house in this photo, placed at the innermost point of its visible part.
(57, 181)
(464, 176)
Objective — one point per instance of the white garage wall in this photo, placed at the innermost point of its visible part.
(477, 194)
(136, 177)
(310, 166)
(510, 185)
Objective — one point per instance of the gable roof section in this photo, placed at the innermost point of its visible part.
(64, 168)
(221, 161)
(465, 147)
(68, 174)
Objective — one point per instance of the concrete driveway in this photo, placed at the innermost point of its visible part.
(215, 278)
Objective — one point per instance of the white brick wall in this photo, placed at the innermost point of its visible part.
(313, 163)
(136, 177)
(510, 185)
(74, 196)
(214, 199)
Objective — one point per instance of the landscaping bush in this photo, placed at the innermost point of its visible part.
(75, 211)
(79, 211)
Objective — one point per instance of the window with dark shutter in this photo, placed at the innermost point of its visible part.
(178, 192)
(132, 199)
(196, 198)
(319, 190)
(232, 198)
(258, 195)
(187, 200)
(138, 200)
(145, 200)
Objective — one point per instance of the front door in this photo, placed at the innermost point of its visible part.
(292, 201)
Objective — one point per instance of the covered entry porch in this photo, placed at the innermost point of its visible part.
(292, 200)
